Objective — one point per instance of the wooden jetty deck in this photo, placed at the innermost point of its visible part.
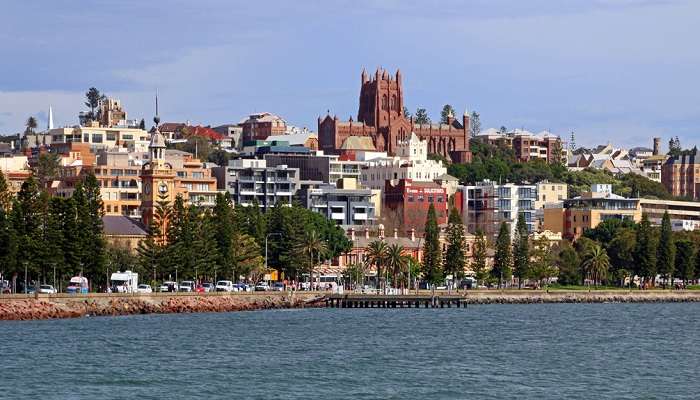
(394, 301)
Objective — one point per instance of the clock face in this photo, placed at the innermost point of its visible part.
(163, 188)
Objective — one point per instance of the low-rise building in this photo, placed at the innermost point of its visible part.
(131, 139)
(526, 145)
(576, 215)
(684, 215)
(411, 162)
(406, 204)
(317, 167)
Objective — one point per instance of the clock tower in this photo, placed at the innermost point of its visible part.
(157, 178)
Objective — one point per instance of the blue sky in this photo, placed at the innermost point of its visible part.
(621, 71)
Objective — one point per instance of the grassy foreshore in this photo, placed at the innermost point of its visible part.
(21, 307)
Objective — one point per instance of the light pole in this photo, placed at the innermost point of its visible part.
(25, 277)
(54, 276)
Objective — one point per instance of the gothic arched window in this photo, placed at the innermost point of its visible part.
(385, 103)
(393, 102)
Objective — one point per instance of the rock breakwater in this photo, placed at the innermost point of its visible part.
(28, 309)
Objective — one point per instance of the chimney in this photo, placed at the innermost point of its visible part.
(413, 234)
(657, 146)
(366, 233)
(351, 231)
(396, 233)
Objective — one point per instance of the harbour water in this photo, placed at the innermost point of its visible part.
(547, 351)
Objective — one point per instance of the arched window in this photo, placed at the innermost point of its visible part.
(394, 106)
(385, 101)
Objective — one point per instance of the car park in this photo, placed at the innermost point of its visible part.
(208, 287)
(168, 286)
(262, 287)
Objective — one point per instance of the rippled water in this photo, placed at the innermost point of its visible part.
(549, 351)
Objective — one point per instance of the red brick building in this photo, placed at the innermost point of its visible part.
(380, 116)
(681, 175)
(261, 125)
(406, 204)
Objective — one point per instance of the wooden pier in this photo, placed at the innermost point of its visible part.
(394, 301)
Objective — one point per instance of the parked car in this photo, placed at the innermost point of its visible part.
(224, 286)
(262, 286)
(47, 289)
(5, 287)
(143, 288)
(167, 285)
(208, 287)
(278, 287)
(186, 286)
(199, 289)
(31, 289)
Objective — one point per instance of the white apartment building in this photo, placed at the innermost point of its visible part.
(411, 162)
(132, 139)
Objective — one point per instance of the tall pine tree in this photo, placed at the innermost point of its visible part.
(521, 251)
(454, 253)
(432, 259)
(502, 261)
(479, 256)
(645, 251)
(666, 251)
(685, 260)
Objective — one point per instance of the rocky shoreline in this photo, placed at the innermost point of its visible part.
(63, 307)
(29, 309)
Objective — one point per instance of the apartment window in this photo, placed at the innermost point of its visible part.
(574, 218)
(198, 174)
(111, 137)
(202, 186)
(128, 137)
(109, 208)
(182, 174)
(430, 199)
(439, 199)
(420, 198)
(97, 138)
(86, 138)
(410, 198)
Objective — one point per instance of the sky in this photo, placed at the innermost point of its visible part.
(609, 70)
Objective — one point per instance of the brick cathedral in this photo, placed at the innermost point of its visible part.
(381, 118)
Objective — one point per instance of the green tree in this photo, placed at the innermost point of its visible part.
(149, 251)
(31, 124)
(421, 117)
(223, 221)
(8, 244)
(595, 264)
(521, 251)
(502, 261)
(645, 251)
(432, 258)
(685, 260)
(27, 221)
(666, 251)
(447, 112)
(46, 170)
(5, 194)
(621, 252)
(206, 256)
(310, 248)
(397, 262)
(455, 260)
(377, 254)
(90, 214)
(93, 98)
(479, 256)
(244, 259)
(406, 113)
(474, 124)
(542, 265)
(568, 263)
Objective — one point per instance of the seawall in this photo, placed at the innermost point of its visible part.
(22, 307)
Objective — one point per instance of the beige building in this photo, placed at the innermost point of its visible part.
(576, 215)
(131, 139)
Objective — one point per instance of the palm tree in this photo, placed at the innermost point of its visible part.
(596, 263)
(312, 245)
(396, 260)
(377, 255)
(31, 124)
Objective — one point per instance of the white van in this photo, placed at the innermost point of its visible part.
(124, 282)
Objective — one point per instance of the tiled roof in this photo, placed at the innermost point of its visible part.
(121, 225)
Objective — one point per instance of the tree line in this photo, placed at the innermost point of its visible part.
(228, 241)
(40, 233)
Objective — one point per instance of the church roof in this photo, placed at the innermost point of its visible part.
(358, 143)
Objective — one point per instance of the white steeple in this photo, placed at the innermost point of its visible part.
(50, 118)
